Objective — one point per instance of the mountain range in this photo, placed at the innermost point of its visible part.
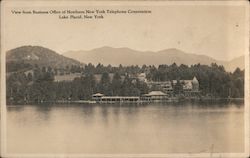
(114, 56)
(126, 56)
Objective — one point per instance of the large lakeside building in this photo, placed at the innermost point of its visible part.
(188, 87)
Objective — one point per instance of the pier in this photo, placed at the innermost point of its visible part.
(152, 97)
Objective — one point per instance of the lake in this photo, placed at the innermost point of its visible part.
(126, 129)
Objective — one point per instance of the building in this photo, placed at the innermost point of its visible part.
(195, 84)
(101, 98)
(97, 97)
(164, 86)
(155, 96)
(189, 87)
(120, 99)
(142, 77)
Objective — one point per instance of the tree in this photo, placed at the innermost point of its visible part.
(105, 84)
(116, 84)
(178, 88)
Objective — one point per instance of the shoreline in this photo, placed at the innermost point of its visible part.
(140, 102)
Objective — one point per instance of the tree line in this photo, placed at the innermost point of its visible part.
(38, 85)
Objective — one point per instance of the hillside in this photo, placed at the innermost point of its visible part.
(127, 56)
(31, 55)
(236, 62)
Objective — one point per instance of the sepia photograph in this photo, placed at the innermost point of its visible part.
(125, 79)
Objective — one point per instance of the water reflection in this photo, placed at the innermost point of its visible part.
(153, 128)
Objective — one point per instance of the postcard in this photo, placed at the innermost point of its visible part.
(125, 79)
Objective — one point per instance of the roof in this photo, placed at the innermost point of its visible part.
(142, 75)
(155, 93)
(120, 97)
(159, 82)
(98, 94)
(195, 80)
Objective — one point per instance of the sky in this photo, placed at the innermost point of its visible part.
(215, 30)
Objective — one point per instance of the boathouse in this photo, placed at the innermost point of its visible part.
(155, 96)
(120, 99)
(101, 98)
(97, 97)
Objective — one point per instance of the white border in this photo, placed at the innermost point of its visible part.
(114, 3)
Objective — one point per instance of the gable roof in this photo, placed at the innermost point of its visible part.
(98, 95)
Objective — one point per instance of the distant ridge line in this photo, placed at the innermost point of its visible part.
(127, 56)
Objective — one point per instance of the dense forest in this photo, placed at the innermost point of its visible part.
(34, 84)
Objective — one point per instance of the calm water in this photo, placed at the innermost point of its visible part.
(125, 129)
